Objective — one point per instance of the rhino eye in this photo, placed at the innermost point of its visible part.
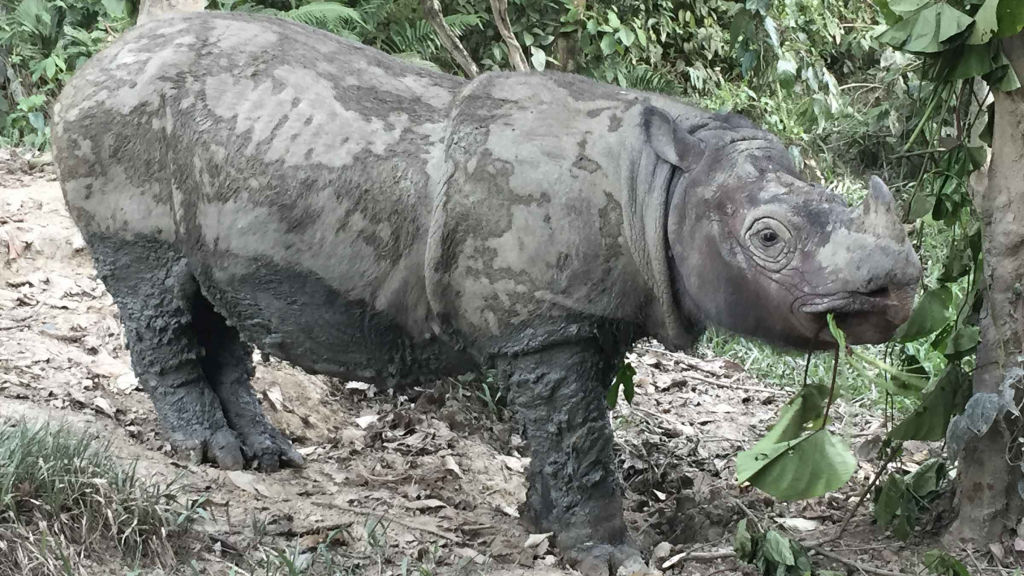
(770, 243)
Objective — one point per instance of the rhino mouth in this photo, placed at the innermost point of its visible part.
(849, 302)
(866, 317)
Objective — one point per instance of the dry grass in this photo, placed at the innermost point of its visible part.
(66, 503)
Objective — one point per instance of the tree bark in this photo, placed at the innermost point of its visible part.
(515, 52)
(432, 12)
(989, 471)
(150, 9)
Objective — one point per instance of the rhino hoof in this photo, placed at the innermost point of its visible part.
(609, 560)
(269, 451)
(221, 448)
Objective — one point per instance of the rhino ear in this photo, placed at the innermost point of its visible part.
(670, 140)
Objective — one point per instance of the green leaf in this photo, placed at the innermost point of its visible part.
(929, 315)
(929, 420)
(626, 36)
(624, 377)
(608, 44)
(803, 409)
(986, 23)
(538, 58)
(890, 499)
(613, 19)
(785, 70)
(114, 8)
(963, 343)
(927, 478)
(611, 397)
(1011, 18)
(942, 564)
(777, 549)
(742, 543)
(807, 467)
(904, 7)
(926, 31)
(975, 61)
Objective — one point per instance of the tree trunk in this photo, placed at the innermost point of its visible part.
(515, 51)
(432, 12)
(150, 9)
(988, 499)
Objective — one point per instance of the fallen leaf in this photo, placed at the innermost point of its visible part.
(452, 466)
(721, 409)
(426, 504)
(244, 480)
(997, 551)
(104, 365)
(661, 495)
(672, 561)
(357, 385)
(509, 510)
(534, 540)
(662, 550)
(799, 524)
(364, 421)
(471, 554)
(513, 463)
(276, 398)
(126, 382)
(104, 405)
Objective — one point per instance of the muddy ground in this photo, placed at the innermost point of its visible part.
(433, 479)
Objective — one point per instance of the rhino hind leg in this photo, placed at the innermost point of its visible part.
(227, 364)
(154, 293)
(558, 395)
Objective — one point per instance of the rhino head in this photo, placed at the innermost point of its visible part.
(756, 249)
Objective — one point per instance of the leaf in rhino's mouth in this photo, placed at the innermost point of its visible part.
(848, 302)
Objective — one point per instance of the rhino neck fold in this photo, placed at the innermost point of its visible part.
(650, 187)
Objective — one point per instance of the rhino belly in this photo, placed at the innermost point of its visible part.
(298, 316)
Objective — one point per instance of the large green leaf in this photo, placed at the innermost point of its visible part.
(986, 22)
(904, 7)
(927, 30)
(1011, 18)
(930, 314)
(807, 467)
(928, 422)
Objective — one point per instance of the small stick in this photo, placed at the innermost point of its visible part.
(855, 564)
(399, 521)
(832, 389)
(731, 385)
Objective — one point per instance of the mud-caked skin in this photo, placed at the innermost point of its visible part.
(246, 181)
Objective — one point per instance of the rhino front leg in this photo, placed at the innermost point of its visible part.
(574, 491)
(227, 365)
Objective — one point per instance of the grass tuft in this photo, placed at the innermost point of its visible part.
(66, 503)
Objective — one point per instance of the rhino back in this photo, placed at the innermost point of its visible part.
(529, 243)
(245, 139)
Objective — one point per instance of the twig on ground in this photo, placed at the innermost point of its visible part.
(724, 384)
(407, 523)
(853, 563)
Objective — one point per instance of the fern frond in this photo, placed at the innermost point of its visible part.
(651, 80)
(375, 11)
(459, 23)
(330, 16)
(418, 37)
(415, 58)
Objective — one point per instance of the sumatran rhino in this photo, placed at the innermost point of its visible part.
(244, 181)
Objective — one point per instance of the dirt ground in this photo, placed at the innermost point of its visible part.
(433, 479)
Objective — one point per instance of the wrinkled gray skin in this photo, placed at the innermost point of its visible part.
(246, 181)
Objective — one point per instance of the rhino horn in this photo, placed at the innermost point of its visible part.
(879, 200)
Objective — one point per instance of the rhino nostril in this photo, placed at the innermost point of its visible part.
(880, 293)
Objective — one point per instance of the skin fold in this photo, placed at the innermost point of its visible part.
(245, 181)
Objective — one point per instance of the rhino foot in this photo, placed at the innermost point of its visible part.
(269, 450)
(609, 560)
(221, 447)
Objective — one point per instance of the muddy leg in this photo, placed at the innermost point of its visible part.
(227, 364)
(558, 395)
(154, 291)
